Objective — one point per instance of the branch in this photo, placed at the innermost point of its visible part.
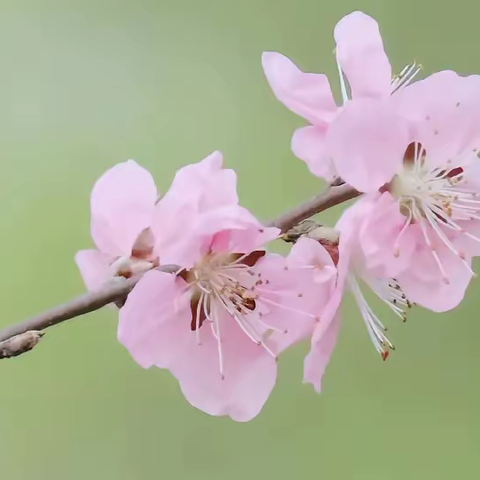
(86, 303)
(22, 337)
(321, 202)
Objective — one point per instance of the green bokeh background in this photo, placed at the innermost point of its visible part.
(87, 84)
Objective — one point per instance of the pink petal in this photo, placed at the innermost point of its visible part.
(306, 94)
(122, 205)
(196, 189)
(470, 245)
(94, 267)
(154, 323)
(444, 110)
(326, 332)
(320, 354)
(308, 144)
(362, 57)
(387, 250)
(299, 294)
(423, 283)
(367, 142)
(249, 372)
(230, 228)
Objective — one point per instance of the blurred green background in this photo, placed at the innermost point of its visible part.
(87, 84)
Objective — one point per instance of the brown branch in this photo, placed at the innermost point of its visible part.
(86, 303)
(321, 202)
(22, 337)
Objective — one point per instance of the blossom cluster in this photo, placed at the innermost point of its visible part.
(230, 308)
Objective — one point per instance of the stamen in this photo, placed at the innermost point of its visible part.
(197, 317)
(405, 77)
(285, 307)
(396, 244)
(445, 240)
(375, 327)
(343, 87)
(217, 334)
(429, 244)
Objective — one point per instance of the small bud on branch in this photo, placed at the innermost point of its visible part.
(19, 344)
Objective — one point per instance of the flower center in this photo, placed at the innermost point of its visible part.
(230, 283)
(436, 198)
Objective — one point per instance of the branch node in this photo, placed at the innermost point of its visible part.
(19, 344)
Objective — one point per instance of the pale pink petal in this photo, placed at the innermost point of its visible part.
(309, 253)
(386, 246)
(469, 244)
(154, 323)
(293, 293)
(444, 111)
(196, 189)
(94, 267)
(306, 94)
(367, 142)
(308, 144)
(122, 205)
(326, 332)
(423, 283)
(362, 57)
(319, 356)
(230, 228)
(249, 372)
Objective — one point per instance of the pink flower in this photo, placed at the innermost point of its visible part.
(424, 227)
(352, 273)
(122, 203)
(362, 60)
(220, 322)
(414, 240)
(126, 212)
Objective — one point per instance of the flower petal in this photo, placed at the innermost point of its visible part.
(306, 94)
(154, 323)
(94, 267)
(326, 332)
(308, 144)
(294, 292)
(423, 284)
(444, 110)
(362, 57)
(386, 247)
(367, 142)
(320, 354)
(230, 228)
(249, 372)
(122, 205)
(196, 189)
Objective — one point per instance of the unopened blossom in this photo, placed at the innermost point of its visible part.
(366, 77)
(219, 324)
(122, 205)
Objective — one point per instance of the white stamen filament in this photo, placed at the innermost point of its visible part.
(200, 304)
(405, 77)
(284, 307)
(375, 327)
(343, 87)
